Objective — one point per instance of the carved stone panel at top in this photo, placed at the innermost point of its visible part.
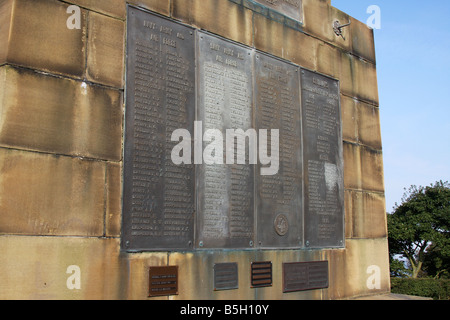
(225, 178)
(323, 161)
(279, 195)
(158, 196)
(290, 8)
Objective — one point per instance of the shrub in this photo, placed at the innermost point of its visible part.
(436, 289)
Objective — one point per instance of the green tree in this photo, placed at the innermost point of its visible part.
(419, 231)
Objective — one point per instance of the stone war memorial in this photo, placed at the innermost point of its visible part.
(189, 150)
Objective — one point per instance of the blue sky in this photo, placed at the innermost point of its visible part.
(413, 66)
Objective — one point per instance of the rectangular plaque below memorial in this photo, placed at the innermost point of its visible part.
(225, 216)
(261, 274)
(303, 276)
(279, 195)
(226, 276)
(158, 196)
(163, 281)
(323, 161)
(290, 8)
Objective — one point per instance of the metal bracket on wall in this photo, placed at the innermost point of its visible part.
(337, 27)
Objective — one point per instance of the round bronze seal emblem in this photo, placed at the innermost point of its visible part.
(281, 225)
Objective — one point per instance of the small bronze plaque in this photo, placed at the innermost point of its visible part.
(158, 195)
(302, 276)
(225, 177)
(261, 274)
(226, 276)
(290, 8)
(323, 161)
(163, 281)
(279, 195)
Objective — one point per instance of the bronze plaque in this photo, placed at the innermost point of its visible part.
(226, 276)
(279, 193)
(158, 195)
(290, 8)
(302, 276)
(261, 274)
(323, 161)
(163, 281)
(225, 177)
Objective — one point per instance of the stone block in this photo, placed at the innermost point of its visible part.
(114, 8)
(106, 50)
(369, 127)
(42, 194)
(317, 20)
(352, 166)
(6, 7)
(113, 218)
(37, 268)
(40, 39)
(363, 43)
(161, 7)
(349, 114)
(62, 116)
(361, 269)
(222, 17)
(284, 42)
(366, 215)
(372, 170)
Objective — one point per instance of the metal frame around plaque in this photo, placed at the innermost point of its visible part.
(158, 196)
(225, 202)
(303, 276)
(324, 213)
(231, 206)
(279, 197)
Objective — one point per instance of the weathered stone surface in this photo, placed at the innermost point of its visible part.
(352, 270)
(197, 276)
(39, 38)
(106, 50)
(365, 215)
(43, 194)
(372, 170)
(284, 42)
(113, 199)
(221, 17)
(369, 127)
(6, 7)
(62, 116)
(115, 8)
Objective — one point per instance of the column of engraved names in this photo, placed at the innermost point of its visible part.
(178, 187)
(226, 207)
(323, 160)
(215, 217)
(277, 87)
(148, 151)
(241, 218)
(158, 195)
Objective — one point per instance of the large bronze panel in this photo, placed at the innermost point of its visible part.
(225, 185)
(290, 8)
(159, 198)
(279, 196)
(323, 161)
(302, 276)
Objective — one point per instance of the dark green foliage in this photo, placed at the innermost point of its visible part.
(419, 232)
(436, 289)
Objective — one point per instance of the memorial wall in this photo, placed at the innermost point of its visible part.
(201, 149)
